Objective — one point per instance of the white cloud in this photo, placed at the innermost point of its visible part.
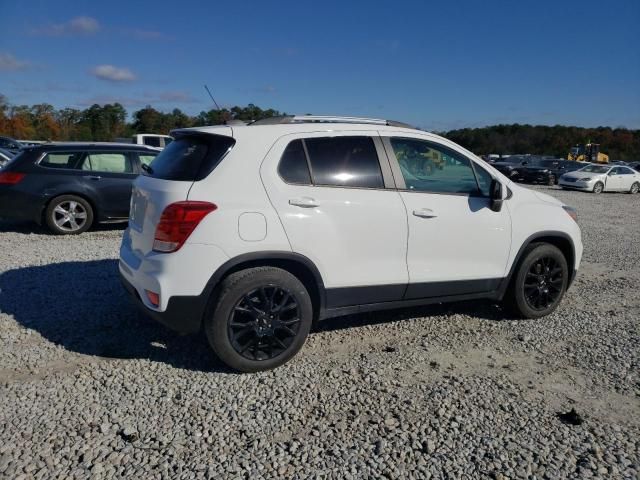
(113, 74)
(9, 63)
(81, 25)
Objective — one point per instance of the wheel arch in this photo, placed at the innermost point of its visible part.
(561, 240)
(298, 265)
(84, 196)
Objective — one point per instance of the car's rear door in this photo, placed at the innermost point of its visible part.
(112, 174)
(334, 195)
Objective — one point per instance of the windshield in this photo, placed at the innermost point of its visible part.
(595, 169)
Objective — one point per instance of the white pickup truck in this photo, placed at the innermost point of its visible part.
(149, 139)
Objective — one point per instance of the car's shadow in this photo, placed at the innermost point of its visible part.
(82, 307)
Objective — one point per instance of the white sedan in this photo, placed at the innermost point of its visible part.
(602, 178)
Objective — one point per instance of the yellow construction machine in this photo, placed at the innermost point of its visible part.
(589, 152)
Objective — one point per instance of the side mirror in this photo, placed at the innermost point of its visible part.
(496, 196)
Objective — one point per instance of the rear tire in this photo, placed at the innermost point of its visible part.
(598, 188)
(261, 319)
(540, 281)
(635, 187)
(68, 215)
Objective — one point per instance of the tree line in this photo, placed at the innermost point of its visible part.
(618, 143)
(108, 122)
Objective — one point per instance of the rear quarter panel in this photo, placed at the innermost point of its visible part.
(236, 188)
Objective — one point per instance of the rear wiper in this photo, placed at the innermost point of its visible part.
(147, 169)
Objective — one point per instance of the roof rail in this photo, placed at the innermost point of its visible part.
(328, 119)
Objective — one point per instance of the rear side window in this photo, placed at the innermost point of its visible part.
(344, 161)
(108, 163)
(68, 160)
(190, 158)
(293, 167)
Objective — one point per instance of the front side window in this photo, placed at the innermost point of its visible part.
(427, 167)
(344, 161)
(62, 160)
(107, 163)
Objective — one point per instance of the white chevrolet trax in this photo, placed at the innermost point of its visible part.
(253, 232)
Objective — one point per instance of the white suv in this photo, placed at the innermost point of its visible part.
(254, 232)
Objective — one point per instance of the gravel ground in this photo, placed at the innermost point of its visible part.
(88, 389)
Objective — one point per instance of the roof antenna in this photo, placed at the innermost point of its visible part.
(226, 116)
(214, 100)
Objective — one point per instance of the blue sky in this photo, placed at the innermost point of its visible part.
(438, 65)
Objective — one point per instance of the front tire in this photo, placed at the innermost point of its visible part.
(68, 215)
(598, 188)
(261, 320)
(540, 281)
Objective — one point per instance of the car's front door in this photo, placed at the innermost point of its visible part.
(457, 245)
(111, 175)
(335, 198)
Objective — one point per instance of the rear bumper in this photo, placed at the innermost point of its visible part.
(183, 314)
(19, 205)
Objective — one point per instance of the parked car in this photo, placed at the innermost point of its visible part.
(635, 166)
(254, 232)
(69, 186)
(8, 143)
(148, 139)
(5, 156)
(510, 166)
(545, 171)
(602, 178)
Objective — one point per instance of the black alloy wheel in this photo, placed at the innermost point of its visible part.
(259, 318)
(264, 323)
(543, 283)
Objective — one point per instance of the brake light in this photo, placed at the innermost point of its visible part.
(177, 222)
(11, 178)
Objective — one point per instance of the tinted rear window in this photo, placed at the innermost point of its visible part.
(344, 161)
(190, 158)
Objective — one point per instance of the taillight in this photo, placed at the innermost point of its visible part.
(10, 178)
(177, 222)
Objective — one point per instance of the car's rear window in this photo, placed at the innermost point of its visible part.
(190, 157)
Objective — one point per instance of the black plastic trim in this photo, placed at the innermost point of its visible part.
(347, 296)
(183, 313)
(458, 287)
(532, 238)
(339, 311)
(229, 265)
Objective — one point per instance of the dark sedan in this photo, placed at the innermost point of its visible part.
(69, 186)
(546, 171)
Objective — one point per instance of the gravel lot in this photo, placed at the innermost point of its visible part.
(90, 389)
